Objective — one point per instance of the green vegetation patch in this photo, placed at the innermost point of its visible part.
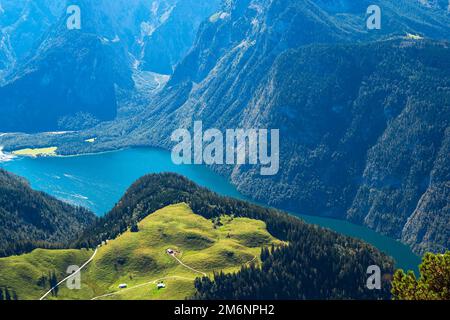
(29, 275)
(37, 152)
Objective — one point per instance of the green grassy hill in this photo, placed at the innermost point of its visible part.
(140, 260)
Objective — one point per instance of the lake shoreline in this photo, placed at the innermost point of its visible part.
(113, 171)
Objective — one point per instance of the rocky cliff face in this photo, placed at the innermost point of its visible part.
(156, 33)
(428, 227)
(56, 79)
(160, 52)
(6, 57)
(22, 25)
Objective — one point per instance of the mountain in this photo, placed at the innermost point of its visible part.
(256, 30)
(54, 101)
(6, 57)
(100, 58)
(363, 125)
(439, 4)
(22, 25)
(161, 52)
(157, 34)
(30, 219)
(363, 114)
(206, 233)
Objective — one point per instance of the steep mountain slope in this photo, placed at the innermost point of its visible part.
(353, 118)
(424, 17)
(40, 96)
(6, 57)
(22, 25)
(30, 219)
(262, 30)
(157, 34)
(68, 79)
(428, 227)
(165, 45)
(438, 4)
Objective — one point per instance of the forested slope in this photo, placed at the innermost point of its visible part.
(30, 219)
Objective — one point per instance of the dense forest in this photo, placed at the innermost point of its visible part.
(30, 219)
(433, 283)
(316, 264)
(296, 272)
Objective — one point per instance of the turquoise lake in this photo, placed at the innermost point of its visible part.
(98, 181)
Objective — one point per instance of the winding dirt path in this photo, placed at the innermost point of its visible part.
(186, 266)
(136, 286)
(69, 276)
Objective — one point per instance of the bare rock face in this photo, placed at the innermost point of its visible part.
(428, 228)
(157, 34)
(160, 53)
(23, 24)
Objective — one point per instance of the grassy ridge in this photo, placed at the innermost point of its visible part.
(140, 258)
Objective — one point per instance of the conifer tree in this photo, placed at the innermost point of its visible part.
(433, 283)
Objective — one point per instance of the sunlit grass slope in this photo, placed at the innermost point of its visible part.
(38, 152)
(23, 273)
(139, 259)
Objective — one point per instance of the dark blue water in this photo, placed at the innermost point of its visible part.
(98, 181)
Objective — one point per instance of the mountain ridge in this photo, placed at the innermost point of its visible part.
(158, 209)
